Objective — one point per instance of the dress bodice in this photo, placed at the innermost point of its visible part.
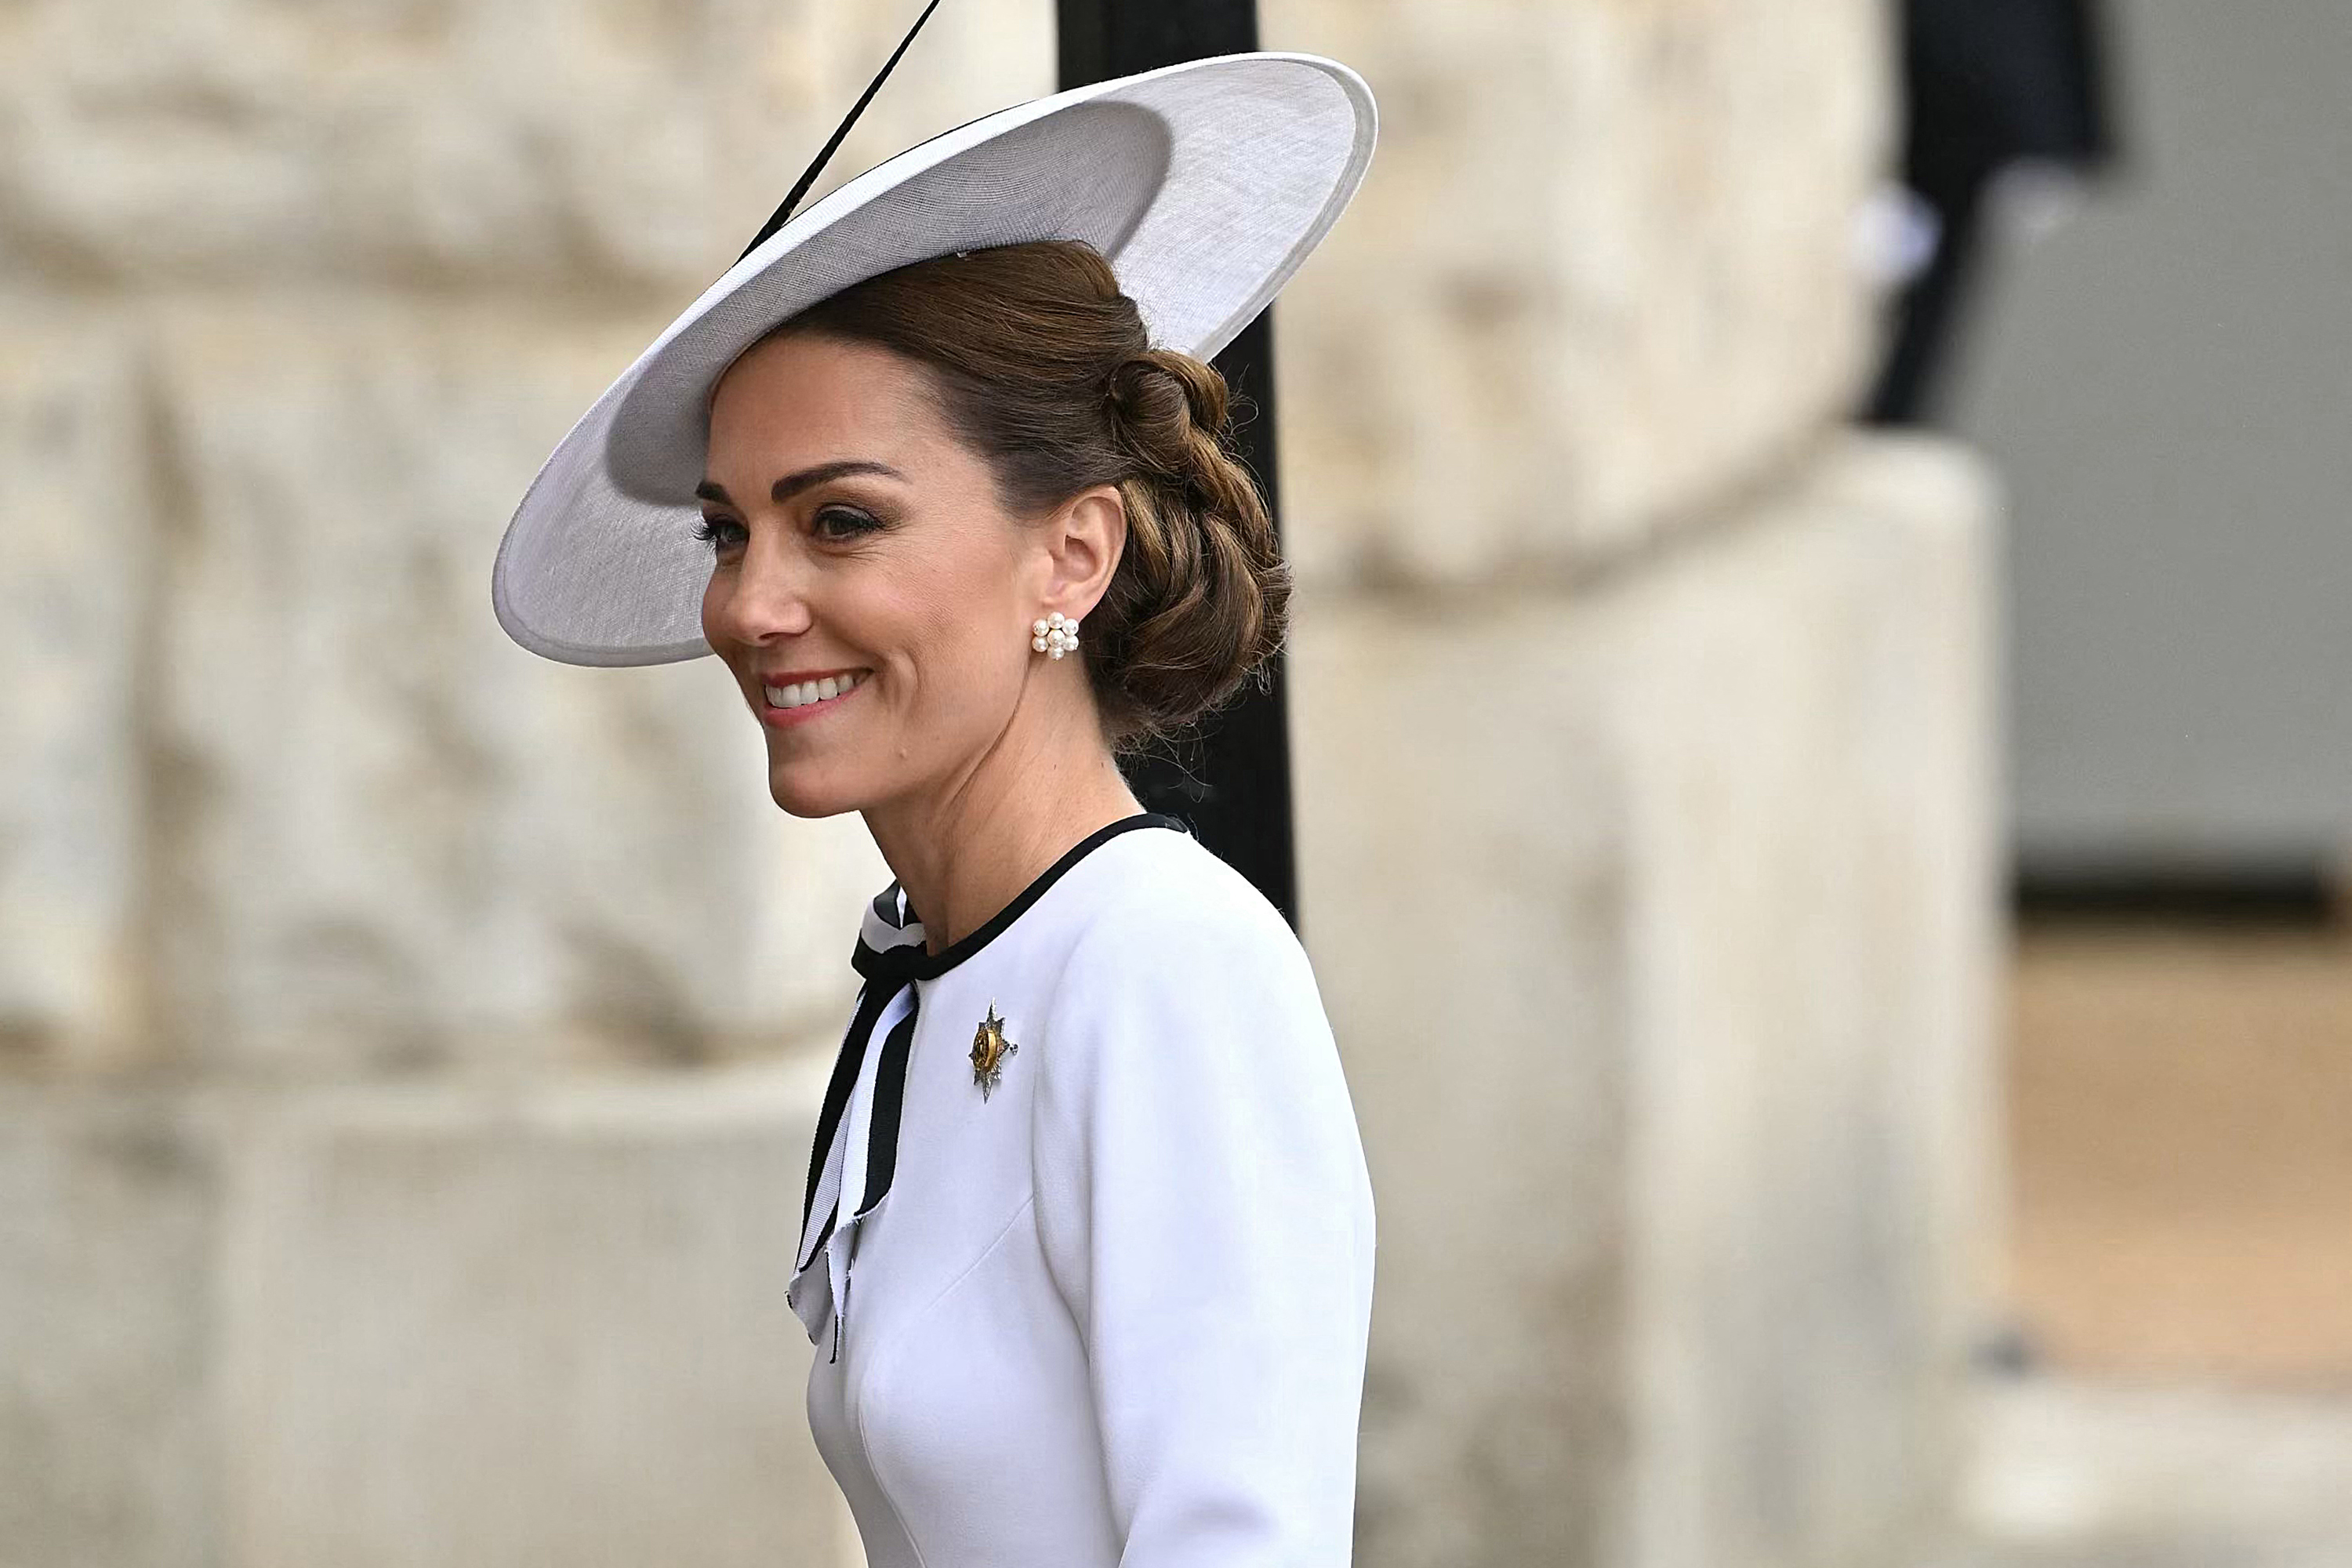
(1097, 1292)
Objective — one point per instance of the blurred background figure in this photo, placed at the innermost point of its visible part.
(408, 1047)
(2135, 308)
(1999, 98)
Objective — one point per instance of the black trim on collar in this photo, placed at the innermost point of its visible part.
(887, 971)
(923, 965)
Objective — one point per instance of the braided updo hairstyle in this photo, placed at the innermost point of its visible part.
(1043, 367)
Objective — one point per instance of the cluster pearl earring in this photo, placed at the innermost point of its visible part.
(1055, 636)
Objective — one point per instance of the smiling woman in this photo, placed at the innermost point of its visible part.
(948, 453)
(968, 530)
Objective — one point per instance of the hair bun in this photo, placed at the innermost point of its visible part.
(1161, 402)
(1202, 598)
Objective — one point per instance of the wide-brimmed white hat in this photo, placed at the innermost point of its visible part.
(1205, 185)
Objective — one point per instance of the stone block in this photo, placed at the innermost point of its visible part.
(466, 1331)
(1659, 927)
(1602, 274)
(432, 1325)
(387, 838)
(75, 590)
(106, 1322)
(2097, 1471)
(517, 143)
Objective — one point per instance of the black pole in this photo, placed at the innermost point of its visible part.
(1232, 783)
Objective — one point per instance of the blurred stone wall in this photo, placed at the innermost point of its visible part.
(1646, 727)
(298, 299)
(407, 1045)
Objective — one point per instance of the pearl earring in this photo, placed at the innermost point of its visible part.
(1055, 636)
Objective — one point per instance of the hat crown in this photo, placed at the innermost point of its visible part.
(1110, 158)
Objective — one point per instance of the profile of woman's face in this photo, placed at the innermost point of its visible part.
(859, 549)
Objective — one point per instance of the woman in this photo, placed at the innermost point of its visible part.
(1087, 1238)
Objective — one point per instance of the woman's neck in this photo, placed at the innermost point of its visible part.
(966, 850)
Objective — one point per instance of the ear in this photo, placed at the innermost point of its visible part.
(1083, 541)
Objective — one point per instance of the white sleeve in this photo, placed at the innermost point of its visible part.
(1206, 1214)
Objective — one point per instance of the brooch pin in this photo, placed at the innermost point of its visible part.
(989, 1049)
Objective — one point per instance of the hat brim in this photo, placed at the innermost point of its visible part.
(1205, 185)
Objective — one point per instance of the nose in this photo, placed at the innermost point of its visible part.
(763, 598)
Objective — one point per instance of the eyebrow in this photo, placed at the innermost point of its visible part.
(792, 485)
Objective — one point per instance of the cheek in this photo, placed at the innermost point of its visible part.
(955, 675)
(959, 643)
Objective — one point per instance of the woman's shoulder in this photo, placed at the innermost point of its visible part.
(1173, 946)
(1186, 1002)
(1161, 898)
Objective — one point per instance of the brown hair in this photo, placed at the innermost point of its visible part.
(1043, 367)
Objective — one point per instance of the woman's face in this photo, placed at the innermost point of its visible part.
(855, 537)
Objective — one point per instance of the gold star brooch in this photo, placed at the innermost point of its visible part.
(989, 1049)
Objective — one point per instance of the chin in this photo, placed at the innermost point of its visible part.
(809, 792)
(810, 798)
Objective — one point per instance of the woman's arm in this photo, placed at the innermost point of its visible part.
(1206, 1215)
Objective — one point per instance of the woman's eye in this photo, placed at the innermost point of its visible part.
(718, 532)
(839, 523)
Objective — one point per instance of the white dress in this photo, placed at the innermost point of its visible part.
(1109, 1307)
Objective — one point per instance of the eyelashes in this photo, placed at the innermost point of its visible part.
(833, 524)
(857, 523)
(710, 529)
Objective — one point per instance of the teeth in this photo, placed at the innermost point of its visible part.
(801, 693)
